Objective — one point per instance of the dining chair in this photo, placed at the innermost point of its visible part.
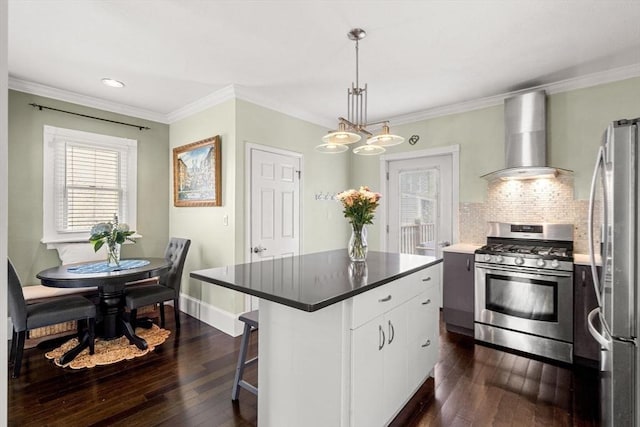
(168, 288)
(27, 317)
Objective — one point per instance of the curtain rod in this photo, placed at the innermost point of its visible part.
(40, 107)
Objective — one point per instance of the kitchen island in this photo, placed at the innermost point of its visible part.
(341, 343)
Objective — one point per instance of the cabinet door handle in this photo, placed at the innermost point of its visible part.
(584, 278)
(392, 332)
(427, 344)
(427, 279)
(468, 264)
(426, 302)
(381, 336)
(385, 299)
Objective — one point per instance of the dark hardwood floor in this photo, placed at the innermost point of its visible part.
(187, 382)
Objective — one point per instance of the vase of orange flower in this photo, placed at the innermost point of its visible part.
(359, 206)
(358, 246)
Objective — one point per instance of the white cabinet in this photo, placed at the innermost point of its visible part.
(379, 367)
(394, 351)
(353, 363)
(367, 371)
(395, 370)
(423, 337)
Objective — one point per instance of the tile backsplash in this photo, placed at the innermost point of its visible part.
(530, 201)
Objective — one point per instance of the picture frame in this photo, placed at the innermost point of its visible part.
(197, 173)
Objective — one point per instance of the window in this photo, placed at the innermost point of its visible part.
(88, 178)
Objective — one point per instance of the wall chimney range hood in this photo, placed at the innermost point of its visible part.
(525, 139)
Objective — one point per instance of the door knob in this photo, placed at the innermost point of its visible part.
(258, 249)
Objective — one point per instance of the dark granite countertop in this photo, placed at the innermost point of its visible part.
(313, 281)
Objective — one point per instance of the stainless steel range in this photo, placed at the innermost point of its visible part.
(524, 289)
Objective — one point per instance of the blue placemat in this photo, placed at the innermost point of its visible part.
(103, 267)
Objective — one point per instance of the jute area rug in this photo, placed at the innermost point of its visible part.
(111, 351)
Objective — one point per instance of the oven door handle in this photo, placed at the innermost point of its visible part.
(602, 340)
(556, 273)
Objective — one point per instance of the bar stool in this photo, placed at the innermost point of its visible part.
(250, 320)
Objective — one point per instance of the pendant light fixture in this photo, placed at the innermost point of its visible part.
(355, 126)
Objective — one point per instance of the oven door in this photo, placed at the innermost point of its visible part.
(532, 301)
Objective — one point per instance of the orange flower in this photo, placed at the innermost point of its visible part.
(359, 205)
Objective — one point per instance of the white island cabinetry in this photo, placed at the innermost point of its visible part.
(340, 344)
(354, 363)
(394, 351)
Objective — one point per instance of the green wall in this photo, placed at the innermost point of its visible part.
(212, 243)
(575, 123)
(25, 178)
(323, 226)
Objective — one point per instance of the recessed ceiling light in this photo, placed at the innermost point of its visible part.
(112, 82)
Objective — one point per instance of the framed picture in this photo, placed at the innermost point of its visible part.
(197, 173)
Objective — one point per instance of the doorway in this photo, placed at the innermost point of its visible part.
(273, 205)
(420, 206)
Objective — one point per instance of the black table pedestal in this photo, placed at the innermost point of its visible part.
(128, 332)
(71, 354)
(111, 308)
(115, 321)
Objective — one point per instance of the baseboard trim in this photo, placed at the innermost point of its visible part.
(211, 315)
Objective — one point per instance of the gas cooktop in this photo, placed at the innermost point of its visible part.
(542, 246)
(547, 252)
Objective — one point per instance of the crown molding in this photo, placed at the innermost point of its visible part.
(582, 82)
(290, 110)
(233, 91)
(594, 79)
(240, 92)
(87, 101)
(211, 100)
(447, 110)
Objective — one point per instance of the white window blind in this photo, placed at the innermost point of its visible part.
(90, 178)
(94, 183)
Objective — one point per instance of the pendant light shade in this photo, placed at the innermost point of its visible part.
(341, 136)
(330, 148)
(368, 150)
(351, 129)
(385, 139)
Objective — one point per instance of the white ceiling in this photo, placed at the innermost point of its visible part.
(294, 56)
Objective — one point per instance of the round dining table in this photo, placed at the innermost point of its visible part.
(111, 282)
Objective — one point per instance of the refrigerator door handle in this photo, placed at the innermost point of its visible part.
(592, 254)
(602, 340)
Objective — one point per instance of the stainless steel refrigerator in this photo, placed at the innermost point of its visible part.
(613, 218)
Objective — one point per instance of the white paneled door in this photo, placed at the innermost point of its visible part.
(420, 205)
(274, 205)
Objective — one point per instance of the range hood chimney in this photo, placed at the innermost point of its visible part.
(525, 139)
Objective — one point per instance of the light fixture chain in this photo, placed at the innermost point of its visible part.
(349, 101)
(357, 66)
(364, 120)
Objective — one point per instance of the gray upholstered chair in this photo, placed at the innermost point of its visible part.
(27, 317)
(168, 289)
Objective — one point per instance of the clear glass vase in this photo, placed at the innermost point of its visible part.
(113, 255)
(358, 243)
